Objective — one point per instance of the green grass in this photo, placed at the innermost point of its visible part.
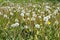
(17, 20)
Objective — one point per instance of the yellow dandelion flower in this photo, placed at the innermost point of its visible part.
(49, 22)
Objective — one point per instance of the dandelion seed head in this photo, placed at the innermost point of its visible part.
(11, 14)
(34, 6)
(46, 18)
(32, 19)
(25, 26)
(34, 15)
(5, 16)
(22, 14)
(15, 25)
(39, 16)
(37, 25)
(16, 20)
(27, 14)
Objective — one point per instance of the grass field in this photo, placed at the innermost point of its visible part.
(29, 20)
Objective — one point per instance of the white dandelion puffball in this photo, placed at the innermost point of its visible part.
(33, 19)
(34, 15)
(15, 25)
(47, 18)
(23, 11)
(25, 26)
(37, 25)
(39, 17)
(34, 6)
(27, 14)
(11, 14)
(22, 14)
(5, 16)
(16, 20)
(47, 7)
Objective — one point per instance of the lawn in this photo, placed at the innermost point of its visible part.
(29, 20)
